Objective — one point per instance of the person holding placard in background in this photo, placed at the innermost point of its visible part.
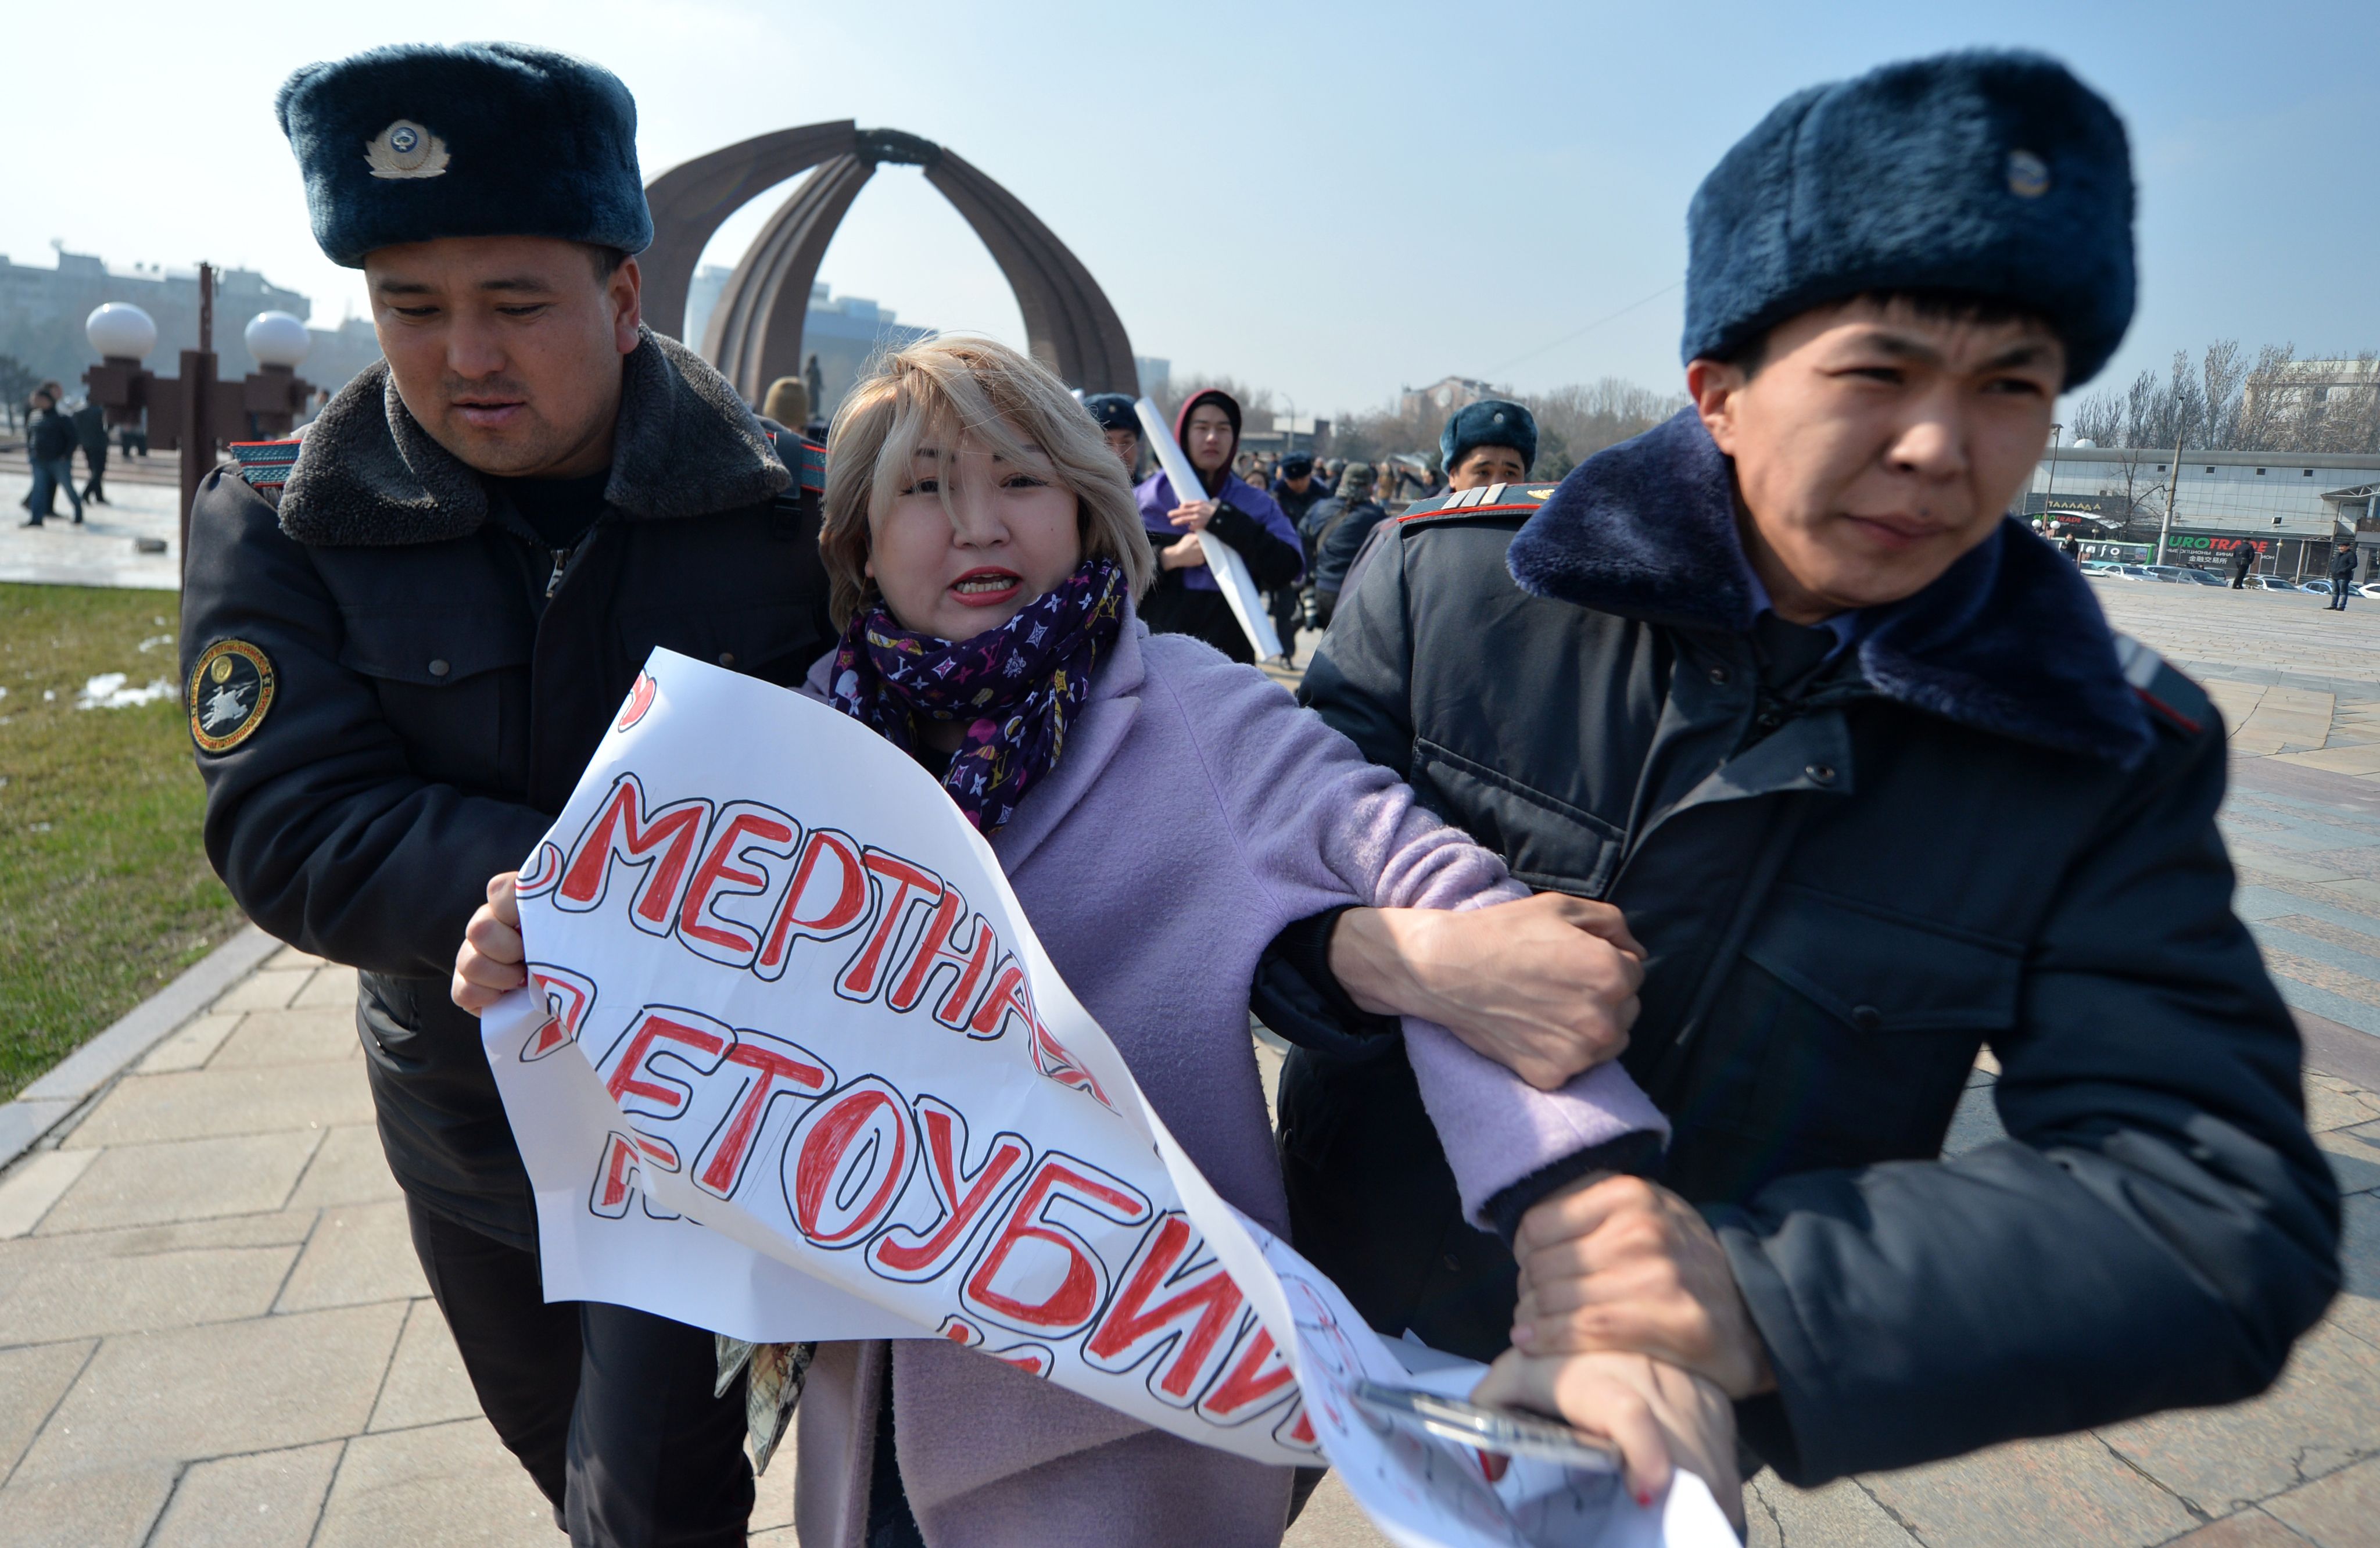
(1186, 599)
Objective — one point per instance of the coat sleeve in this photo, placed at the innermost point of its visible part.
(1319, 826)
(316, 823)
(1268, 546)
(2155, 1231)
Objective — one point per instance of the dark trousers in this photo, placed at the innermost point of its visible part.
(53, 476)
(95, 458)
(611, 1411)
(1288, 608)
(2338, 585)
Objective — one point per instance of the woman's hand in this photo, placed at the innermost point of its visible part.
(1660, 1418)
(1545, 986)
(489, 964)
(1187, 553)
(1193, 514)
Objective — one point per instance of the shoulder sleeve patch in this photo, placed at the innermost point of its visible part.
(805, 459)
(2169, 696)
(1494, 500)
(266, 464)
(231, 688)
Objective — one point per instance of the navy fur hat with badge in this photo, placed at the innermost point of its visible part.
(1985, 174)
(1113, 411)
(1491, 421)
(418, 142)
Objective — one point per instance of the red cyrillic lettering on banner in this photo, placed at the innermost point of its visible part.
(542, 873)
(744, 829)
(1256, 1380)
(938, 947)
(1010, 997)
(827, 897)
(902, 885)
(1049, 1057)
(1037, 1274)
(1191, 1330)
(779, 1068)
(662, 1032)
(1297, 1430)
(1033, 1359)
(619, 1176)
(568, 997)
(661, 845)
(963, 1199)
(846, 1163)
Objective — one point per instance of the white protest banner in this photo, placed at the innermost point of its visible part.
(793, 1066)
(1230, 571)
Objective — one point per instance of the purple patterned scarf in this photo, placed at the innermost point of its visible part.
(1017, 686)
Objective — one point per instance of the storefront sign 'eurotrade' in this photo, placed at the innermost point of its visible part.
(791, 1065)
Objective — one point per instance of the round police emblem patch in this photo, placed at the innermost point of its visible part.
(2028, 175)
(231, 688)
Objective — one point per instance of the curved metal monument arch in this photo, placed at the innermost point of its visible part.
(755, 335)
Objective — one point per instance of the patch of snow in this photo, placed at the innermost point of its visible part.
(107, 692)
(153, 641)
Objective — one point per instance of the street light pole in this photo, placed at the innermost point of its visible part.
(2173, 487)
(2049, 498)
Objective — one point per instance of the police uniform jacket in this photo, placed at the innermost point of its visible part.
(1985, 822)
(394, 686)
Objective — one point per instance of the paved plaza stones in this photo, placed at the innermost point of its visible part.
(212, 1330)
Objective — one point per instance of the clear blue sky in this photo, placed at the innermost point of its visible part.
(1228, 171)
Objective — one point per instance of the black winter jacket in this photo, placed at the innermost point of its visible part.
(1969, 829)
(440, 679)
(50, 436)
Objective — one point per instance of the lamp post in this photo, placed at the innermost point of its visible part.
(194, 413)
(2055, 430)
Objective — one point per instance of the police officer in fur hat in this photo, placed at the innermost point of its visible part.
(405, 632)
(1877, 787)
(1487, 443)
(1118, 422)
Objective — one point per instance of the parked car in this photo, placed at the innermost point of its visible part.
(2319, 588)
(2275, 584)
(2369, 589)
(2134, 572)
(2172, 575)
(2194, 576)
(2101, 567)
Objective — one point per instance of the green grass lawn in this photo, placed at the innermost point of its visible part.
(104, 889)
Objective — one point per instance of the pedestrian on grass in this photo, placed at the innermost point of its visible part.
(2342, 575)
(91, 434)
(404, 634)
(1724, 677)
(1185, 598)
(50, 447)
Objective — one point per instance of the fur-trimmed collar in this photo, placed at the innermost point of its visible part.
(368, 475)
(2009, 641)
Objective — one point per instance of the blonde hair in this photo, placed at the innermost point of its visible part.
(945, 388)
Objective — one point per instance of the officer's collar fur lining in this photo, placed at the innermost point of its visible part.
(2009, 641)
(370, 476)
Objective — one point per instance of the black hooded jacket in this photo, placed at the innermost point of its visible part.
(1988, 822)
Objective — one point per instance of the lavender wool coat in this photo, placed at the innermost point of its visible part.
(1196, 810)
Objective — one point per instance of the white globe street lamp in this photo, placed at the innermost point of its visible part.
(275, 339)
(121, 332)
